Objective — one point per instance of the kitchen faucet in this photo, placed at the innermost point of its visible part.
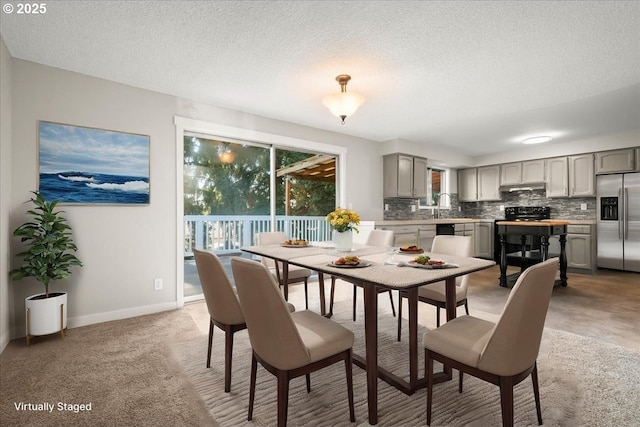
(436, 212)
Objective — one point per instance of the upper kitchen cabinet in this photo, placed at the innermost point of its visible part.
(479, 184)
(531, 172)
(468, 185)
(615, 161)
(581, 176)
(557, 177)
(405, 176)
(489, 183)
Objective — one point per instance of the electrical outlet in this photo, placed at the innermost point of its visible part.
(501, 208)
(386, 207)
(157, 284)
(413, 208)
(583, 206)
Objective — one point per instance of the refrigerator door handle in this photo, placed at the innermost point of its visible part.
(626, 214)
(620, 214)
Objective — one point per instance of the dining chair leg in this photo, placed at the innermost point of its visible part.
(252, 385)
(228, 352)
(393, 308)
(536, 392)
(283, 397)
(210, 343)
(355, 294)
(428, 367)
(399, 316)
(466, 307)
(460, 376)
(506, 401)
(333, 289)
(306, 295)
(437, 317)
(348, 366)
(308, 378)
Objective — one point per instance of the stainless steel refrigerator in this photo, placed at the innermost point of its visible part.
(618, 221)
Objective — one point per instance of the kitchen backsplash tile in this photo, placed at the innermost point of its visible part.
(561, 208)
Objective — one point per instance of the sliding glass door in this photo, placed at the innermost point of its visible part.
(228, 189)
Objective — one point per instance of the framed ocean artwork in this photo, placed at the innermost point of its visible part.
(85, 165)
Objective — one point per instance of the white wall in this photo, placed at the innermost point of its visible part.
(5, 193)
(124, 248)
(551, 149)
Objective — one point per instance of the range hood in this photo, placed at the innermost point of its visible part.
(523, 187)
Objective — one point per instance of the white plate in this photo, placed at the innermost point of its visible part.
(360, 265)
(427, 266)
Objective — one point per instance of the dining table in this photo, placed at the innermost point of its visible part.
(378, 270)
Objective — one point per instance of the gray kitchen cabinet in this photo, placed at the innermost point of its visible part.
(580, 247)
(637, 150)
(404, 176)
(426, 233)
(557, 177)
(468, 185)
(466, 229)
(530, 172)
(511, 173)
(483, 239)
(489, 183)
(533, 171)
(581, 176)
(403, 235)
(615, 161)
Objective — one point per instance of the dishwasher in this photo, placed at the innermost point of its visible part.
(449, 229)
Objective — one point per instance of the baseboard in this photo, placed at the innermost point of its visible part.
(78, 321)
(75, 322)
(4, 340)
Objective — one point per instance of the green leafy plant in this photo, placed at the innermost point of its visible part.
(48, 236)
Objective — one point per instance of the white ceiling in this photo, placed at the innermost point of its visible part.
(473, 76)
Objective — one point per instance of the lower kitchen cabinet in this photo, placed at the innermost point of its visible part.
(580, 247)
(483, 239)
(403, 235)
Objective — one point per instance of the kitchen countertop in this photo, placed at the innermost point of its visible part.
(461, 221)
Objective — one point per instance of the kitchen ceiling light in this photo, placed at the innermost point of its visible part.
(343, 104)
(537, 140)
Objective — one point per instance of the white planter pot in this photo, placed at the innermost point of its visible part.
(343, 241)
(46, 315)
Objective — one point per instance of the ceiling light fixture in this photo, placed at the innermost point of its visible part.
(343, 104)
(537, 140)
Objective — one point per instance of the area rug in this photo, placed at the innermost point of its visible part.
(583, 382)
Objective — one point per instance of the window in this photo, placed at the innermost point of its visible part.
(437, 188)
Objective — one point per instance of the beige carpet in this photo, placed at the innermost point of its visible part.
(583, 382)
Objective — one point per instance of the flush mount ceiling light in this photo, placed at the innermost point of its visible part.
(343, 104)
(537, 140)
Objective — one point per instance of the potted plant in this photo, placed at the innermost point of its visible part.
(49, 257)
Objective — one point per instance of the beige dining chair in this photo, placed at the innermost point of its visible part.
(502, 353)
(295, 274)
(435, 293)
(288, 345)
(383, 239)
(222, 303)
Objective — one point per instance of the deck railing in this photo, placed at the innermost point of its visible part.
(224, 234)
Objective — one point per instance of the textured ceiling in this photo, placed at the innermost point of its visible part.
(474, 76)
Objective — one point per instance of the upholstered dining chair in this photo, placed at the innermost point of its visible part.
(295, 275)
(435, 293)
(502, 353)
(222, 303)
(287, 344)
(382, 238)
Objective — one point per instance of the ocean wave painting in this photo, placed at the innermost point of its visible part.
(87, 165)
